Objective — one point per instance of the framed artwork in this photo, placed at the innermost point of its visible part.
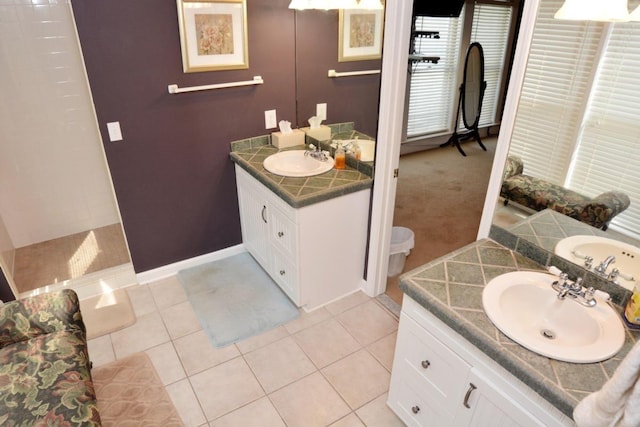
(360, 35)
(213, 35)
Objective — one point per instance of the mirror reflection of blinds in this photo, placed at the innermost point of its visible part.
(608, 153)
(433, 91)
(556, 85)
(491, 25)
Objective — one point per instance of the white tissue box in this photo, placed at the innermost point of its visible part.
(284, 140)
(322, 133)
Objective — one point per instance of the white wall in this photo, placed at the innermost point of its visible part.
(53, 177)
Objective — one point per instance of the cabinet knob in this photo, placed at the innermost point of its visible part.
(280, 234)
(415, 409)
(468, 395)
(282, 272)
(425, 364)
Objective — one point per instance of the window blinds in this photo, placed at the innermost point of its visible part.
(491, 26)
(433, 93)
(555, 89)
(608, 153)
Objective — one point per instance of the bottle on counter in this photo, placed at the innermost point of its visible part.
(340, 157)
(632, 311)
(357, 151)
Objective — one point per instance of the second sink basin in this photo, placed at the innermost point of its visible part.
(526, 309)
(294, 163)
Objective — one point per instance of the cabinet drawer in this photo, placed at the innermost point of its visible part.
(285, 274)
(439, 372)
(282, 232)
(412, 408)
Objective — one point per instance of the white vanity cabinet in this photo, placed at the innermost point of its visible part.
(314, 253)
(440, 379)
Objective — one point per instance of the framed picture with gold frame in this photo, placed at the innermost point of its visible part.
(360, 35)
(213, 35)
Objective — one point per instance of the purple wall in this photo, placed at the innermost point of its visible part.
(172, 174)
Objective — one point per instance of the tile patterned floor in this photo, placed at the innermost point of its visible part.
(331, 367)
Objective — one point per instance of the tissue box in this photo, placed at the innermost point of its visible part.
(284, 140)
(322, 133)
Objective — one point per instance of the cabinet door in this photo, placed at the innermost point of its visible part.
(483, 405)
(253, 220)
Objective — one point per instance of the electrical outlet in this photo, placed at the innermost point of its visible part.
(321, 111)
(270, 121)
(115, 134)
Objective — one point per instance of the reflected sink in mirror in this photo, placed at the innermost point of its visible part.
(627, 257)
(524, 306)
(294, 163)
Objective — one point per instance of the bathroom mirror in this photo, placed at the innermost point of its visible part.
(518, 228)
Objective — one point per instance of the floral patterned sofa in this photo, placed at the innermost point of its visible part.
(538, 194)
(45, 377)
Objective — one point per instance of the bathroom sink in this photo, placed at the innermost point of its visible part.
(367, 148)
(294, 163)
(526, 309)
(627, 257)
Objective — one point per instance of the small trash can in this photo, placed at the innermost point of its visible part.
(402, 241)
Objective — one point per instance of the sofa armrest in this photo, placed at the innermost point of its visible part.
(24, 319)
(601, 209)
(514, 166)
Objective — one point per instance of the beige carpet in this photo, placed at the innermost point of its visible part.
(440, 196)
(107, 313)
(130, 393)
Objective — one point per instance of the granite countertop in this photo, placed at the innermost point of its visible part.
(451, 288)
(297, 192)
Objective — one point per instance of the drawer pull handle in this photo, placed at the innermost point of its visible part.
(468, 395)
(282, 272)
(425, 364)
(264, 208)
(280, 234)
(415, 409)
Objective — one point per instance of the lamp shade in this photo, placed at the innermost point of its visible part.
(635, 15)
(594, 10)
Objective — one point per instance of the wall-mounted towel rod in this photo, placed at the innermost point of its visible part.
(333, 73)
(257, 80)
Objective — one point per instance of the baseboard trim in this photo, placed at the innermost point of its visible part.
(172, 269)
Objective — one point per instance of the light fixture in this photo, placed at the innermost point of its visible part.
(594, 10)
(336, 4)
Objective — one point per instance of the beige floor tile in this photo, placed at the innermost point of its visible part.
(180, 320)
(368, 322)
(279, 364)
(377, 414)
(186, 403)
(167, 292)
(359, 378)
(309, 402)
(350, 420)
(258, 341)
(197, 354)
(384, 349)
(226, 387)
(141, 300)
(101, 350)
(306, 320)
(148, 332)
(326, 342)
(260, 413)
(167, 363)
(347, 302)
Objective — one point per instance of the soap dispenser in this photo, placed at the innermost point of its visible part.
(632, 310)
(340, 157)
(357, 151)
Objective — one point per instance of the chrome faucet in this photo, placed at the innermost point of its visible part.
(602, 268)
(575, 290)
(317, 153)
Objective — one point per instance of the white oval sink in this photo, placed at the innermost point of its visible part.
(627, 257)
(295, 164)
(367, 148)
(526, 309)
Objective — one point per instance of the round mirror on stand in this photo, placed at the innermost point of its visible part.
(470, 99)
